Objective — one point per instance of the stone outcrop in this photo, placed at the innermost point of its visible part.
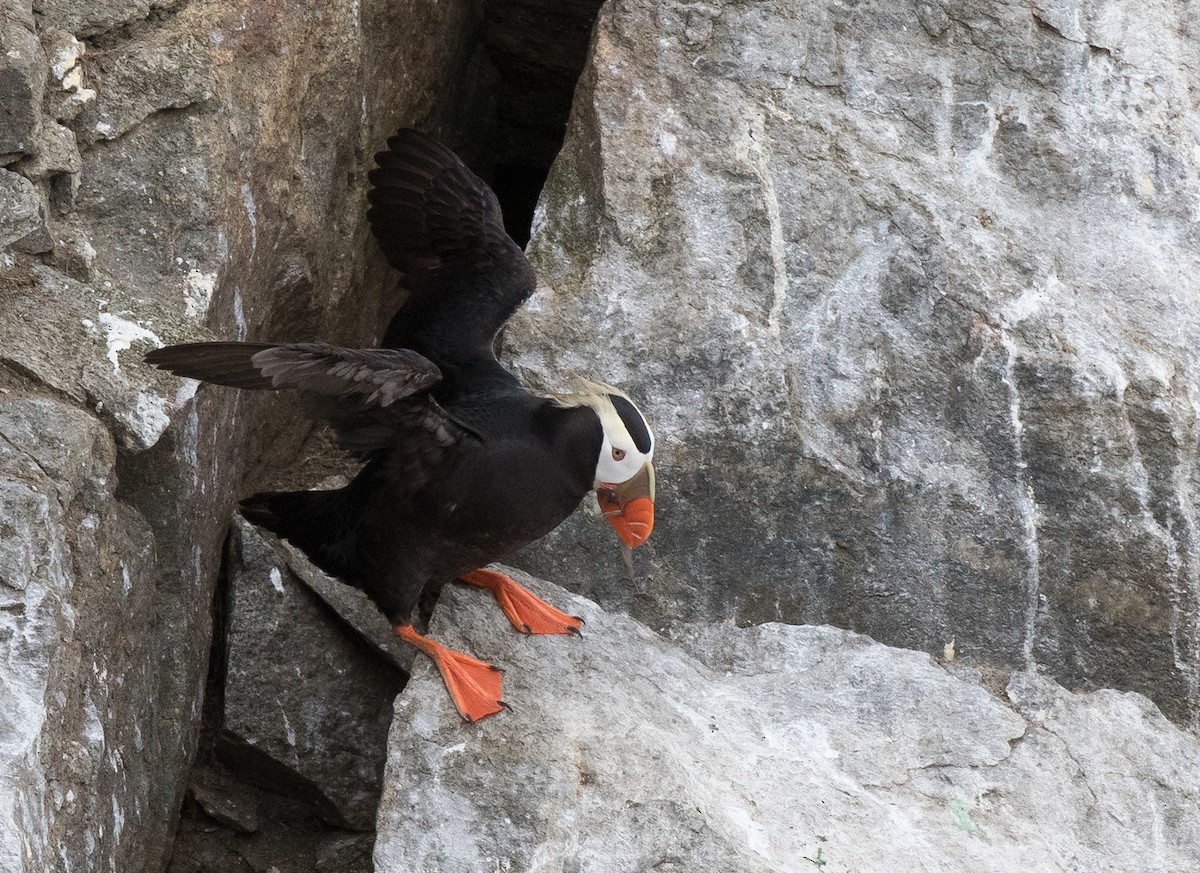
(301, 690)
(771, 748)
(909, 292)
(169, 171)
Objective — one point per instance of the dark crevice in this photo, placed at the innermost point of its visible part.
(212, 714)
(243, 808)
(506, 114)
(244, 811)
(517, 187)
(260, 770)
(534, 51)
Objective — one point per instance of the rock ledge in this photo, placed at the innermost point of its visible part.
(758, 749)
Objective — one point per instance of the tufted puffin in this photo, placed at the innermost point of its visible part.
(462, 463)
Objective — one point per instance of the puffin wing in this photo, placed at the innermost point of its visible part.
(440, 225)
(374, 399)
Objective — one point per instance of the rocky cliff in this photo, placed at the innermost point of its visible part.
(908, 290)
(171, 171)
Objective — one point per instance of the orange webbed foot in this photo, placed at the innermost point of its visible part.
(527, 612)
(474, 685)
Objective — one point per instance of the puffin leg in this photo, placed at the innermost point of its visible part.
(527, 612)
(474, 685)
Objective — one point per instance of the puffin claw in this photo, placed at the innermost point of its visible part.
(574, 631)
(527, 612)
(474, 685)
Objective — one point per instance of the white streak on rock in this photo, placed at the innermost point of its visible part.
(121, 334)
(118, 820)
(753, 150)
(251, 215)
(239, 313)
(757, 840)
(1025, 501)
(667, 142)
(66, 59)
(191, 438)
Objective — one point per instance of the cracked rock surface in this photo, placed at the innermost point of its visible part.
(170, 170)
(766, 749)
(909, 294)
(299, 688)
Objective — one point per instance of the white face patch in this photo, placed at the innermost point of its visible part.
(628, 445)
(620, 459)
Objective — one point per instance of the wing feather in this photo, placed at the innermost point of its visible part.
(376, 400)
(441, 225)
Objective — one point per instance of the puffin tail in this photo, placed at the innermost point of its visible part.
(316, 522)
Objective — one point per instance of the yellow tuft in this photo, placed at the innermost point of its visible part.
(589, 393)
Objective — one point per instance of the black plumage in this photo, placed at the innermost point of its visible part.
(462, 463)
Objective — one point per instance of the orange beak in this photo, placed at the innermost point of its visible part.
(629, 506)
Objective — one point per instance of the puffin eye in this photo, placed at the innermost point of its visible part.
(618, 454)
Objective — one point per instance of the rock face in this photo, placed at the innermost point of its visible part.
(907, 289)
(296, 722)
(170, 171)
(301, 690)
(909, 292)
(769, 749)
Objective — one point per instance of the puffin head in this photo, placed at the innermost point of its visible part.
(624, 480)
(624, 472)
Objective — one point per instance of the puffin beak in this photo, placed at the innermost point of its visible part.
(629, 506)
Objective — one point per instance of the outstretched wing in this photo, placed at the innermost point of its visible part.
(374, 399)
(439, 224)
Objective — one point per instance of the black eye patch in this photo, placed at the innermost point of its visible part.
(633, 421)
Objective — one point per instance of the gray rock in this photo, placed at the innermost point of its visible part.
(140, 81)
(227, 215)
(56, 159)
(22, 80)
(93, 351)
(22, 213)
(769, 749)
(77, 737)
(908, 293)
(299, 688)
(96, 16)
(351, 605)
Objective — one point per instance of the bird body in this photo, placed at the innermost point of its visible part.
(462, 464)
